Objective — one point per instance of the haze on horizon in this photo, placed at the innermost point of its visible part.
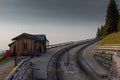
(60, 20)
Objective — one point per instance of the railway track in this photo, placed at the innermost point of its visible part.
(53, 67)
(91, 72)
(80, 62)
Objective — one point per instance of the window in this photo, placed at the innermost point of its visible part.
(25, 46)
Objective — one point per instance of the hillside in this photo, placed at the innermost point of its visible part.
(113, 38)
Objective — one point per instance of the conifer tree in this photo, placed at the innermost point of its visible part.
(98, 33)
(112, 17)
(119, 24)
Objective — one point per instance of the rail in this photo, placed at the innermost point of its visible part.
(19, 59)
(106, 47)
(108, 54)
(69, 43)
(84, 65)
(59, 45)
(115, 68)
(21, 72)
(105, 53)
(56, 58)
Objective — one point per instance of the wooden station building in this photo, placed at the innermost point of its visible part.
(28, 45)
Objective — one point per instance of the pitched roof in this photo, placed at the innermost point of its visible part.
(36, 37)
(40, 37)
(11, 44)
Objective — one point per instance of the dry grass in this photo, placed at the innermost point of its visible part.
(4, 60)
(6, 72)
(113, 38)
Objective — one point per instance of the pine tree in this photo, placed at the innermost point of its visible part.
(100, 32)
(112, 17)
(119, 24)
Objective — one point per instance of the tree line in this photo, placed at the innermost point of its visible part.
(112, 21)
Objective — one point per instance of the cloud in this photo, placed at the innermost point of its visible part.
(39, 11)
(53, 10)
(70, 19)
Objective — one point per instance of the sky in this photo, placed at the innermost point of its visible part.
(60, 20)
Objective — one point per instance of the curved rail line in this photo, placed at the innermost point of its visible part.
(79, 61)
(54, 63)
(86, 68)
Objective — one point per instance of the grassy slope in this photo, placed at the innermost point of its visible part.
(113, 38)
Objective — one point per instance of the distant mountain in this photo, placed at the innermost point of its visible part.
(1, 51)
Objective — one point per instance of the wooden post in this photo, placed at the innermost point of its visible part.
(68, 59)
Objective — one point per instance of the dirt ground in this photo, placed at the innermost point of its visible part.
(6, 67)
